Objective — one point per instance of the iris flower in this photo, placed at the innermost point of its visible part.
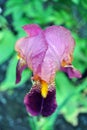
(44, 52)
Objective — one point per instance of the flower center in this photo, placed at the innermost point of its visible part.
(44, 89)
(43, 84)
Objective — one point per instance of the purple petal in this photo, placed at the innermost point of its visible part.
(33, 50)
(33, 101)
(60, 41)
(37, 105)
(19, 68)
(32, 29)
(21, 46)
(71, 71)
(48, 68)
(49, 104)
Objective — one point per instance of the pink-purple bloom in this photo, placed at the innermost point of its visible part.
(44, 52)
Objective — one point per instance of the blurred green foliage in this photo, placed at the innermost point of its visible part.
(72, 14)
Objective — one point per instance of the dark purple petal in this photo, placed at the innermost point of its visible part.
(19, 68)
(71, 71)
(49, 104)
(33, 101)
(37, 105)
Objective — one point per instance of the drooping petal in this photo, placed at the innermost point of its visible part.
(37, 105)
(49, 104)
(60, 40)
(21, 65)
(71, 71)
(32, 29)
(33, 101)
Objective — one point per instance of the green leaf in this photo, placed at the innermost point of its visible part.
(76, 1)
(3, 21)
(7, 41)
(9, 81)
(63, 88)
(84, 3)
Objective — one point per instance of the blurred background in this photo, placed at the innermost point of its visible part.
(71, 94)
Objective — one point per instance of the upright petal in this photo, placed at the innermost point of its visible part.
(21, 46)
(60, 40)
(48, 69)
(32, 29)
(21, 65)
(35, 52)
(71, 71)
